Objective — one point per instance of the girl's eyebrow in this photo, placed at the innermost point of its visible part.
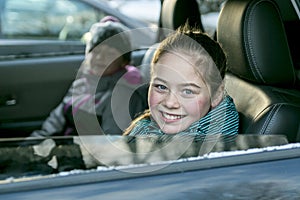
(182, 85)
(159, 79)
(190, 84)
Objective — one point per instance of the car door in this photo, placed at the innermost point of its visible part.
(40, 53)
(32, 85)
(41, 50)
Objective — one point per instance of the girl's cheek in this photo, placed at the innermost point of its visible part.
(154, 98)
(203, 106)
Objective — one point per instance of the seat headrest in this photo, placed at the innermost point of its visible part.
(253, 37)
(175, 13)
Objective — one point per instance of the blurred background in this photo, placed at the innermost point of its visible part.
(148, 10)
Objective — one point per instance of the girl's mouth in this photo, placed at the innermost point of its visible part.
(171, 117)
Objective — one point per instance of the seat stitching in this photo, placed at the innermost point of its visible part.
(275, 111)
(266, 122)
(248, 43)
(250, 52)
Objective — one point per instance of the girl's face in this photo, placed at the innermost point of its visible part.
(105, 60)
(178, 96)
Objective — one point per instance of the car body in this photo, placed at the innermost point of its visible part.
(261, 163)
(257, 172)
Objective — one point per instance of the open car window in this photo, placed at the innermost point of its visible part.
(166, 167)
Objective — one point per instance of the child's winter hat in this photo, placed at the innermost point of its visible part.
(105, 29)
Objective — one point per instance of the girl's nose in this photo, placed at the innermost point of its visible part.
(171, 100)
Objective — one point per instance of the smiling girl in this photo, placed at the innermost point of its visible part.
(186, 93)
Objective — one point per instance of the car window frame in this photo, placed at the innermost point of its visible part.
(106, 174)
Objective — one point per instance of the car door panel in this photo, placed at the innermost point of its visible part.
(30, 88)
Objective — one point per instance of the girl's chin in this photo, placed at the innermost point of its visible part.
(171, 131)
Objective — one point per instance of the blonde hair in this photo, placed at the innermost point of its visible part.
(206, 54)
(208, 57)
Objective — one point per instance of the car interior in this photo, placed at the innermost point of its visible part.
(261, 42)
(262, 75)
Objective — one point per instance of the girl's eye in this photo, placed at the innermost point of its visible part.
(160, 87)
(188, 91)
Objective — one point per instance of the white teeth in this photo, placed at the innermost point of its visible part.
(171, 117)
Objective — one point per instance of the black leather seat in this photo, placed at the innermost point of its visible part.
(262, 76)
(175, 13)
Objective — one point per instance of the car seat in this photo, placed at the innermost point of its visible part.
(261, 76)
(175, 13)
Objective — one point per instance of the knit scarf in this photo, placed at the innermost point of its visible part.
(223, 121)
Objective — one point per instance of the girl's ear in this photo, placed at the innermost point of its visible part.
(218, 97)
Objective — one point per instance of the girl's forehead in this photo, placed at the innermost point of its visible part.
(179, 67)
(188, 60)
